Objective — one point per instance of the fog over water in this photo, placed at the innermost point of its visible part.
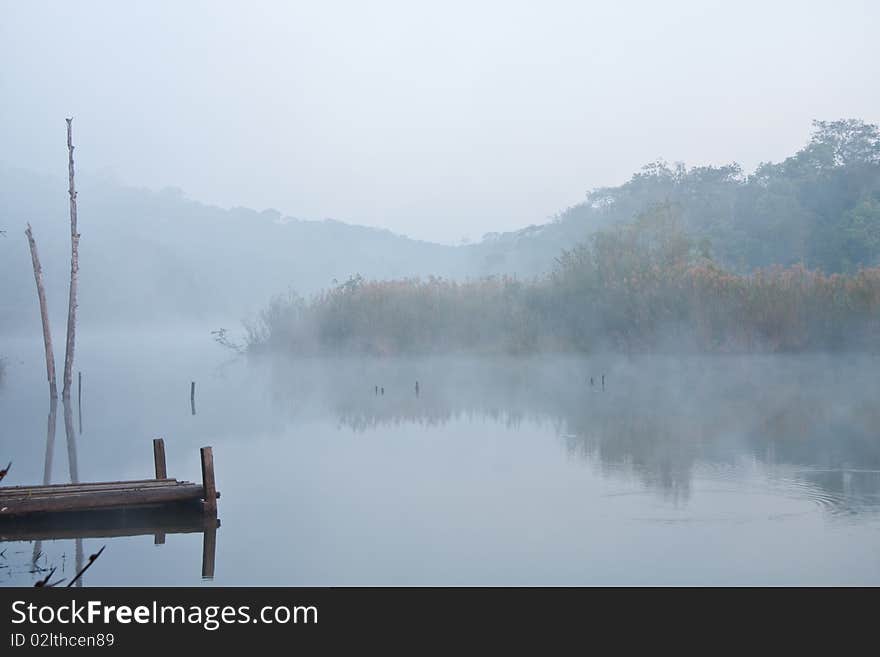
(503, 293)
(727, 470)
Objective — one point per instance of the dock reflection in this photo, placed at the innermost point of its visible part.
(158, 522)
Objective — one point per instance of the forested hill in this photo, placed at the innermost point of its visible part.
(156, 257)
(819, 207)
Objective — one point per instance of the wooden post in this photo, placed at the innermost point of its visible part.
(209, 549)
(44, 314)
(159, 458)
(192, 397)
(74, 270)
(208, 480)
(79, 400)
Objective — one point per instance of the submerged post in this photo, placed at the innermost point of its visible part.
(159, 458)
(208, 480)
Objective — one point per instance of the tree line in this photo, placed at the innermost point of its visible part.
(819, 207)
(645, 286)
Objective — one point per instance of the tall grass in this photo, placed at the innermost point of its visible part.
(641, 288)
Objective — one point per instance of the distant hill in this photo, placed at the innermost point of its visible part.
(819, 207)
(150, 256)
(159, 257)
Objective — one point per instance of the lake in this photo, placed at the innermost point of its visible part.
(729, 470)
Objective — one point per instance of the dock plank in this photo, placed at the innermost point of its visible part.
(81, 499)
(21, 501)
(64, 489)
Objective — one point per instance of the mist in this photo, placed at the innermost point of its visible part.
(482, 294)
(435, 123)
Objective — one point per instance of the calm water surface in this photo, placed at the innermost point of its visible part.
(723, 470)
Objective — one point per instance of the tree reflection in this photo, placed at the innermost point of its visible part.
(658, 419)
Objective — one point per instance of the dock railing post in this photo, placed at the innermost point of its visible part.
(209, 548)
(208, 480)
(159, 458)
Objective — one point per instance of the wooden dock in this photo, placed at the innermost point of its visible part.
(110, 509)
(21, 501)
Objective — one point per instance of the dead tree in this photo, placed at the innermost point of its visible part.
(74, 271)
(44, 314)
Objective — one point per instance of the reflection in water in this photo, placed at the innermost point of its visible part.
(73, 466)
(655, 418)
(47, 464)
(73, 469)
(500, 470)
(169, 519)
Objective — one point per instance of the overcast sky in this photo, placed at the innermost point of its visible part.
(436, 120)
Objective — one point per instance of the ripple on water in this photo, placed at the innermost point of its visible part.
(787, 494)
(833, 495)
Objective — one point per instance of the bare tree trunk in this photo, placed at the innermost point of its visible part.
(44, 314)
(72, 460)
(74, 271)
(50, 442)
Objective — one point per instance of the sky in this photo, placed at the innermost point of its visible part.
(441, 121)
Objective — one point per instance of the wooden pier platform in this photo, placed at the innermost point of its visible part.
(17, 501)
(111, 509)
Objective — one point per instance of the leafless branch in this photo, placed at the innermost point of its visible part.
(92, 559)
